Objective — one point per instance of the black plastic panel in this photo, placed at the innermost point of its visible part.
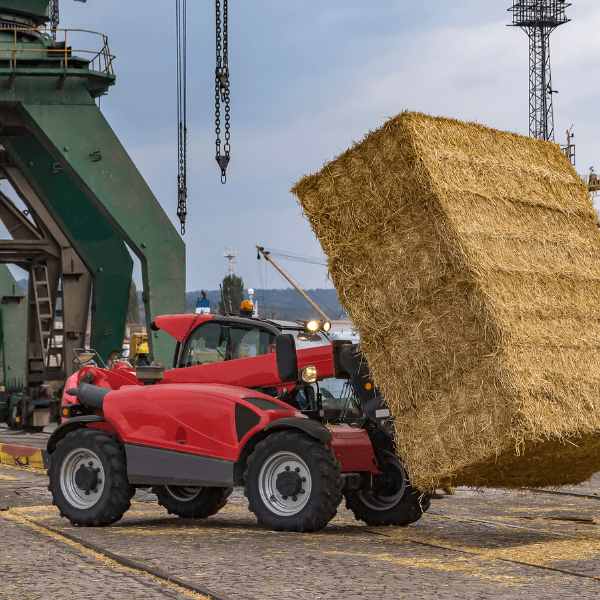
(245, 419)
(265, 404)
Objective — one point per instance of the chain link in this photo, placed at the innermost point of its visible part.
(181, 17)
(222, 88)
(54, 17)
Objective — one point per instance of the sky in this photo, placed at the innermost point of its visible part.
(307, 78)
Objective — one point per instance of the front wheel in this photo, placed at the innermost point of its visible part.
(88, 478)
(391, 500)
(192, 502)
(293, 482)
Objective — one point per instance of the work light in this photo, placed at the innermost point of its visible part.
(309, 374)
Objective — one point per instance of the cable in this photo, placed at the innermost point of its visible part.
(297, 257)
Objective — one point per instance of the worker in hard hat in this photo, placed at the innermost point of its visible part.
(116, 360)
(143, 357)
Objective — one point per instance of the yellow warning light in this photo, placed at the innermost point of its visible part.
(65, 411)
(368, 386)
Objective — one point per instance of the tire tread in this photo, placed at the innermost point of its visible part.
(113, 505)
(328, 471)
(212, 501)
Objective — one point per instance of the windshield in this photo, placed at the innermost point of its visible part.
(215, 342)
(338, 397)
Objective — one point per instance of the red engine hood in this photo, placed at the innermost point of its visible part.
(195, 418)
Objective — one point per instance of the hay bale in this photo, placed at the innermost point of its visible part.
(469, 261)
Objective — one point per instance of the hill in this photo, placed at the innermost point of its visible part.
(285, 304)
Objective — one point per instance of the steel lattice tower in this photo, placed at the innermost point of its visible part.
(539, 18)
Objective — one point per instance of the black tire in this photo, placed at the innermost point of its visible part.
(88, 478)
(293, 482)
(190, 502)
(392, 500)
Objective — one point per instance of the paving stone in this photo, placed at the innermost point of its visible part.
(231, 554)
(36, 567)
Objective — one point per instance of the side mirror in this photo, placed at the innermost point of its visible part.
(287, 361)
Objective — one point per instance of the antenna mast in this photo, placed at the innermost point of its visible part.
(539, 18)
(229, 255)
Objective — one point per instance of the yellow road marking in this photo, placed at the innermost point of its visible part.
(18, 518)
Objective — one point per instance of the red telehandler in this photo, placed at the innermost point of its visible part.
(248, 402)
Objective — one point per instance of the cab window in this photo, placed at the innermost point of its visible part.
(204, 346)
(216, 342)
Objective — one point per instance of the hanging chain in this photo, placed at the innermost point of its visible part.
(54, 17)
(222, 88)
(181, 11)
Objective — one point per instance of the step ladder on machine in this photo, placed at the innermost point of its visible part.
(45, 317)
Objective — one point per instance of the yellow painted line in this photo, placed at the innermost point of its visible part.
(19, 518)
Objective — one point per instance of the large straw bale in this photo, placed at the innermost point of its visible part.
(469, 261)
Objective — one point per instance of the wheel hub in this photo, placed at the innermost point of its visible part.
(86, 478)
(388, 483)
(82, 479)
(183, 493)
(288, 483)
(285, 483)
(388, 488)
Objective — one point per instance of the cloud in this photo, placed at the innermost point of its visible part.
(311, 78)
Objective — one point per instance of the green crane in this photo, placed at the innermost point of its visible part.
(87, 205)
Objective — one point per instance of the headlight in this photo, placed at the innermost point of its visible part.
(309, 374)
(312, 326)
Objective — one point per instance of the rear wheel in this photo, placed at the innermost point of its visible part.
(88, 478)
(391, 500)
(192, 502)
(293, 482)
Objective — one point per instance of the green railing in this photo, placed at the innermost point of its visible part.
(100, 61)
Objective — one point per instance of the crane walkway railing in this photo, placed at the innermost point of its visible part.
(100, 61)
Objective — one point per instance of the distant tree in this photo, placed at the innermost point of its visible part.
(133, 307)
(233, 292)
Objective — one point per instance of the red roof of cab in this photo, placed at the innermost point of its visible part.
(179, 326)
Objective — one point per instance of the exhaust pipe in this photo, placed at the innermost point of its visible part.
(89, 395)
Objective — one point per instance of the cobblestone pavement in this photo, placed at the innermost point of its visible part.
(469, 546)
(34, 565)
(25, 438)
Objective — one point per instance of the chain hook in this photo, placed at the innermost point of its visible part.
(222, 87)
